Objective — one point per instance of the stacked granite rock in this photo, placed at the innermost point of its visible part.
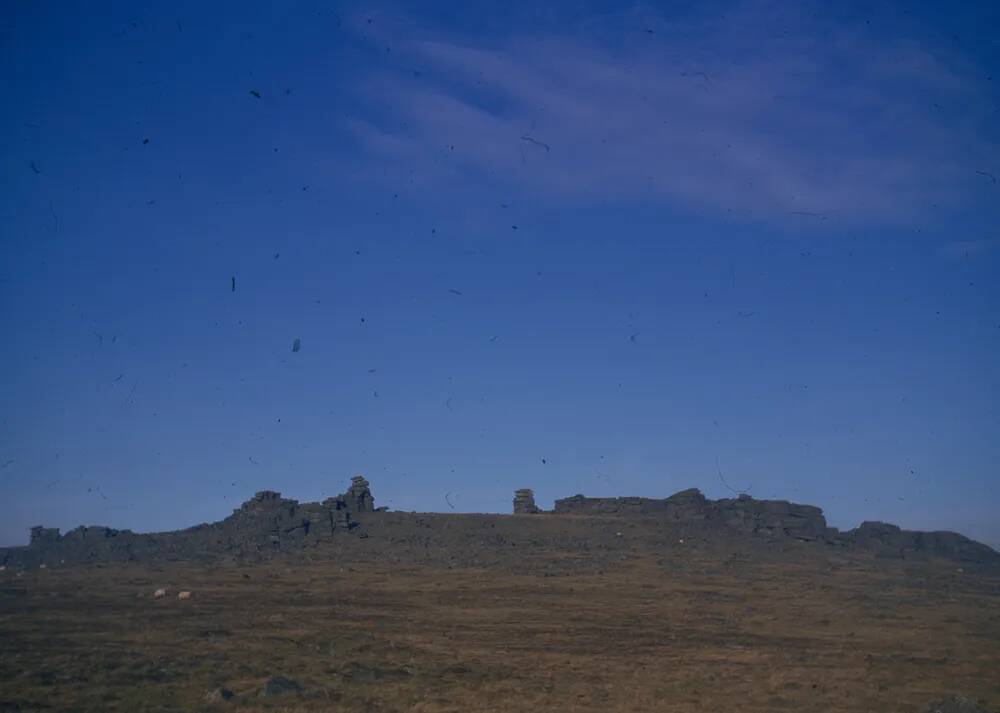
(780, 519)
(688, 504)
(44, 535)
(358, 497)
(770, 517)
(524, 502)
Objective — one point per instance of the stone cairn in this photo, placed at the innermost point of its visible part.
(524, 502)
(359, 496)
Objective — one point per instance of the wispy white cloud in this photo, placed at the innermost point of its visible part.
(760, 114)
(964, 249)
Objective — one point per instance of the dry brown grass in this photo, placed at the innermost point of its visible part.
(693, 636)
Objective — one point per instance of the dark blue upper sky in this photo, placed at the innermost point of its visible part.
(585, 248)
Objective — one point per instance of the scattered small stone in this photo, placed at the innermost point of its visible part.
(364, 672)
(159, 593)
(277, 685)
(184, 595)
(955, 704)
(219, 695)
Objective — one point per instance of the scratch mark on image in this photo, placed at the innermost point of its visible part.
(128, 399)
(536, 142)
(723, 479)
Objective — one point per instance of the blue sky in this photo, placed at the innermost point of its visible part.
(644, 244)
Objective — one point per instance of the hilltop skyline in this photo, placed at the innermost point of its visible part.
(467, 250)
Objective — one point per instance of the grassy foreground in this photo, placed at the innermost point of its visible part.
(687, 635)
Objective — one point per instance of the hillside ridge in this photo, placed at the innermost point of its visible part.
(268, 524)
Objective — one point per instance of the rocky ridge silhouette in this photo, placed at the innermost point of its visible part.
(268, 525)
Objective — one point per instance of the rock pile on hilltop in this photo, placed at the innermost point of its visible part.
(524, 502)
(780, 518)
(744, 514)
(265, 524)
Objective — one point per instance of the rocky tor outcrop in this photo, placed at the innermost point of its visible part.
(524, 502)
(265, 524)
(780, 518)
(268, 524)
(744, 514)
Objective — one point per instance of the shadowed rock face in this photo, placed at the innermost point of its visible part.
(744, 514)
(884, 539)
(42, 535)
(688, 504)
(780, 518)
